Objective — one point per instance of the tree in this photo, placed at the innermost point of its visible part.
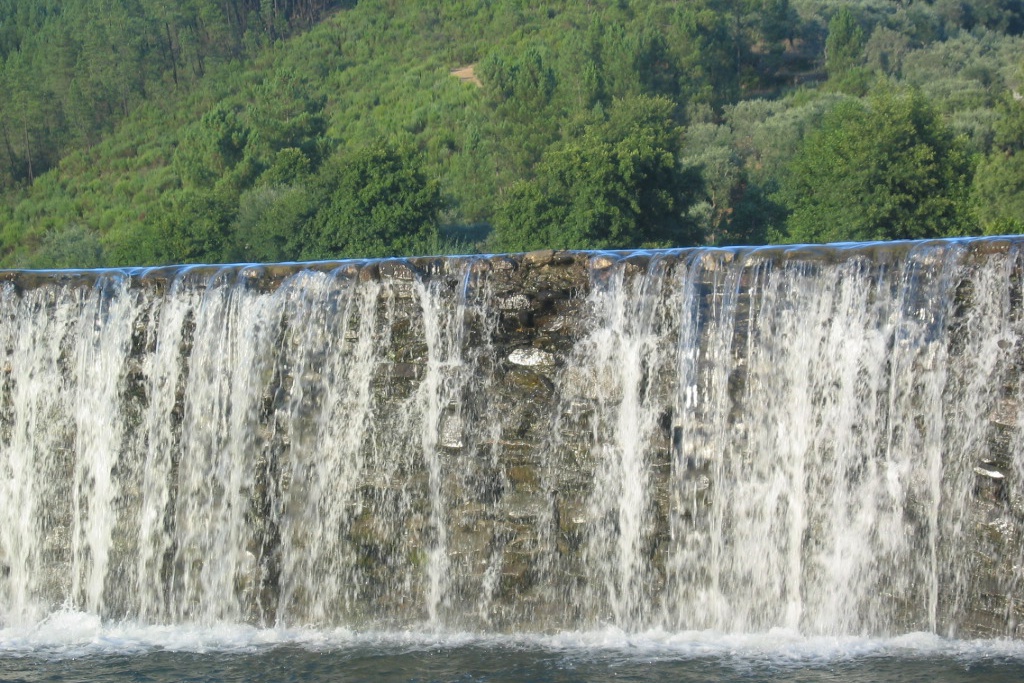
(844, 53)
(375, 202)
(886, 170)
(734, 209)
(196, 227)
(211, 147)
(998, 194)
(844, 43)
(76, 246)
(1004, 16)
(518, 85)
(269, 219)
(702, 42)
(285, 113)
(998, 190)
(616, 185)
(635, 59)
(885, 50)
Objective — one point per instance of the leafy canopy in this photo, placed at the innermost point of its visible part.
(617, 184)
(375, 202)
(885, 169)
(998, 190)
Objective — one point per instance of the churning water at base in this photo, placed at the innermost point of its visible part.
(654, 454)
(76, 647)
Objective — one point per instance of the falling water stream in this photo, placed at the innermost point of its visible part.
(817, 442)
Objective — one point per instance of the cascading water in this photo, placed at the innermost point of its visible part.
(820, 439)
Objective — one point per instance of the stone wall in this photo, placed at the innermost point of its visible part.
(505, 517)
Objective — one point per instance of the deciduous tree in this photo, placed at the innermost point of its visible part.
(887, 169)
(617, 185)
(998, 190)
(375, 202)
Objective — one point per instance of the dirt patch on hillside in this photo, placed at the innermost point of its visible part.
(467, 74)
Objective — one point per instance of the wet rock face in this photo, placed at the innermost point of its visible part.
(823, 439)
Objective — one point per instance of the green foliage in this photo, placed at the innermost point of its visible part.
(195, 228)
(1004, 16)
(374, 202)
(524, 84)
(703, 43)
(844, 44)
(155, 131)
(616, 185)
(735, 209)
(211, 148)
(998, 194)
(740, 161)
(290, 165)
(285, 113)
(998, 190)
(74, 247)
(70, 71)
(885, 51)
(270, 220)
(1009, 128)
(967, 71)
(885, 170)
(844, 53)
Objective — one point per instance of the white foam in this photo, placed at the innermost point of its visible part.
(70, 634)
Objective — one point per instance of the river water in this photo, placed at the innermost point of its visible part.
(76, 647)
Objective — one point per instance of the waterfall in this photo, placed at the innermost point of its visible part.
(822, 439)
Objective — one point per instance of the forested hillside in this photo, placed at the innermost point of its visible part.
(162, 131)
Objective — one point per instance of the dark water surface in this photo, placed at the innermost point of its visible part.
(476, 663)
(76, 648)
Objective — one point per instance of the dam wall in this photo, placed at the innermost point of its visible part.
(824, 439)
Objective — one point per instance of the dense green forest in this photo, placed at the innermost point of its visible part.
(164, 131)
